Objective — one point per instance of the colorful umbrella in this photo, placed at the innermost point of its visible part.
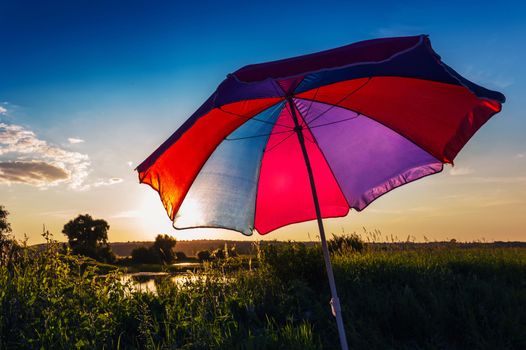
(312, 136)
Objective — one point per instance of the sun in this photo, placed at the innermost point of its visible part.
(154, 220)
(152, 216)
(190, 214)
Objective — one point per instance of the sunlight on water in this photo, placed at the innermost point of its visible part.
(147, 281)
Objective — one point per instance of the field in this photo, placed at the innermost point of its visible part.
(445, 296)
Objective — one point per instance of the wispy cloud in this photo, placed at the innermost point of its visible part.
(491, 180)
(385, 211)
(45, 164)
(24, 158)
(520, 155)
(423, 209)
(3, 110)
(128, 214)
(500, 179)
(74, 140)
(459, 171)
(108, 182)
(499, 203)
(61, 214)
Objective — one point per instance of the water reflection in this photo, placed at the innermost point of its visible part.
(147, 281)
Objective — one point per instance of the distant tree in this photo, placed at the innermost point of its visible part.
(203, 255)
(89, 237)
(180, 256)
(8, 246)
(161, 252)
(5, 226)
(164, 246)
(105, 254)
(144, 255)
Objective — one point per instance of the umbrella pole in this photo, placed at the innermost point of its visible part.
(335, 301)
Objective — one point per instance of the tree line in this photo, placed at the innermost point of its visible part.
(88, 237)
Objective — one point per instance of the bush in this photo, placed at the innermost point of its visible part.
(164, 248)
(161, 252)
(295, 261)
(144, 255)
(5, 226)
(9, 247)
(180, 256)
(218, 254)
(203, 255)
(346, 243)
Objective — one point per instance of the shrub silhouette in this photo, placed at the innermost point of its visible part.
(203, 255)
(161, 252)
(346, 242)
(89, 237)
(5, 226)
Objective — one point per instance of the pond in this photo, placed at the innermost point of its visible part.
(147, 281)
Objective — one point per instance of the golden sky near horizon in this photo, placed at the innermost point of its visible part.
(470, 202)
(86, 95)
(483, 197)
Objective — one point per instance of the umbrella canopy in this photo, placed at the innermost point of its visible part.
(373, 115)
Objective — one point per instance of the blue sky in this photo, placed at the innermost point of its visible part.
(121, 76)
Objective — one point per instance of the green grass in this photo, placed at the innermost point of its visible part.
(441, 298)
(436, 299)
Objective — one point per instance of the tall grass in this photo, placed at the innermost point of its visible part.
(435, 299)
(53, 301)
(416, 299)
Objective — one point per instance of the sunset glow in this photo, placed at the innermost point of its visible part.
(84, 99)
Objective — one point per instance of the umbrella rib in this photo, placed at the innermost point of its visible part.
(337, 103)
(314, 97)
(302, 122)
(308, 138)
(325, 158)
(402, 134)
(292, 132)
(252, 118)
(254, 136)
(335, 122)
